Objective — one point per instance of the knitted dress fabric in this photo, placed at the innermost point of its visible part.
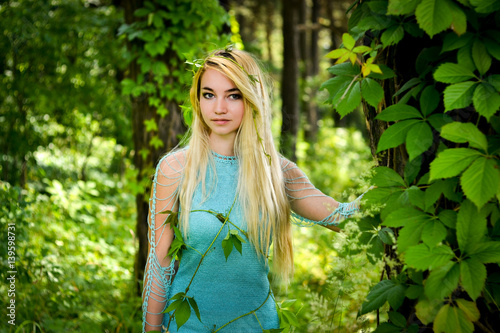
(233, 294)
(223, 290)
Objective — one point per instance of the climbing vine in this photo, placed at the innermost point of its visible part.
(427, 74)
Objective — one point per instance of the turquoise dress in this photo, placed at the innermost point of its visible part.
(233, 294)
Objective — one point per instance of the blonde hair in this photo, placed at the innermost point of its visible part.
(264, 201)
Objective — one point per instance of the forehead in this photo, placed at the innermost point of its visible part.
(212, 78)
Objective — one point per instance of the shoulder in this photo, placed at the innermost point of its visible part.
(288, 166)
(172, 164)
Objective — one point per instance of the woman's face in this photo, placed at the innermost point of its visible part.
(221, 104)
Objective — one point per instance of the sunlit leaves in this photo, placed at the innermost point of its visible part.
(423, 257)
(451, 162)
(452, 319)
(486, 100)
(465, 132)
(348, 52)
(434, 16)
(459, 95)
(452, 73)
(481, 180)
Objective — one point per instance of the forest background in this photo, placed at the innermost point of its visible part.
(94, 92)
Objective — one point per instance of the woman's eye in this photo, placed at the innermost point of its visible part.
(208, 95)
(235, 96)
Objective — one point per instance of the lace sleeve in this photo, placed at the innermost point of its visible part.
(159, 267)
(309, 205)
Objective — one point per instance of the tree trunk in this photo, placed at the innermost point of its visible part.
(170, 128)
(290, 84)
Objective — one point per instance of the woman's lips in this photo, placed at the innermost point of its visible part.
(220, 121)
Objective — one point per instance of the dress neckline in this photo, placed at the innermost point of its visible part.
(224, 158)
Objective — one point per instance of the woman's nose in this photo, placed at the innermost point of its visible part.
(221, 106)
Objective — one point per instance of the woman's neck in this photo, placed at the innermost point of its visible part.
(222, 146)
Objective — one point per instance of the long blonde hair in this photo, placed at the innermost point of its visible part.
(263, 199)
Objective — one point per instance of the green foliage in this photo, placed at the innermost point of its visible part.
(74, 246)
(443, 205)
(54, 73)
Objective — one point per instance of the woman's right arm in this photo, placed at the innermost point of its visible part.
(159, 268)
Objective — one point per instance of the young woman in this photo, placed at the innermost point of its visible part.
(231, 195)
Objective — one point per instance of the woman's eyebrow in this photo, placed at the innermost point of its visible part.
(227, 91)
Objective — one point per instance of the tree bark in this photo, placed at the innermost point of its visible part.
(289, 83)
(170, 128)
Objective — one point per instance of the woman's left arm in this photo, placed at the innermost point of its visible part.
(311, 206)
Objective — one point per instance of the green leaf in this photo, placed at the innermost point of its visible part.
(174, 305)
(405, 216)
(141, 12)
(348, 41)
(485, 6)
(459, 95)
(385, 290)
(387, 328)
(416, 197)
(371, 91)
(345, 69)
(227, 246)
(402, 7)
(386, 177)
(465, 132)
(452, 41)
(438, 120)
(452, 319)
(422, 257)
(397, 112)
(429, 100)
(426, 310)
(434, 16)
(473, 276)
(397, 319)
(414, 291)
(349, 100)
(471, 227)
(419, 139)
(395, 134)
(442, 281)
(486, 100)
(409, 236)
(493, 48)
(433, 233)
(182, 313)
(452, 73)
(486, 252)
(464, 58)
(451, 162)
(459, 20)
(432, 194)
(481, 58)
(481, 180)
(387, 73)
(449, 218)
(386, 235)
(494, 80)
(194, 305)
(469, 308)
(392, 35)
